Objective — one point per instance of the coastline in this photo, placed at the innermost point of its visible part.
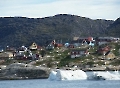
(38, 73)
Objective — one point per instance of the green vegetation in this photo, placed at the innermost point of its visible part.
(117, 47)
(115, 62)
(60, 57)
(7, 61)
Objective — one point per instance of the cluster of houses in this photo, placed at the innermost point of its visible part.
(100, 42)
(75, 46)
(21, 52)
(32, 52)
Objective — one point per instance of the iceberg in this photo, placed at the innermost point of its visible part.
(105, 76)
(52, 75)
(81, 75)
(67, 75)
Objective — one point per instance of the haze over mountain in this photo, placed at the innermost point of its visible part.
(17, 31)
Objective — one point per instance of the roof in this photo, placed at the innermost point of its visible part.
(83, 49)
(107, 53)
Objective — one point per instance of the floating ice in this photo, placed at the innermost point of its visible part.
(81, 75)
(52, 75)
(105, 75)
(67, 75)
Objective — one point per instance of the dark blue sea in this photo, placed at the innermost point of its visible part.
(45, 83)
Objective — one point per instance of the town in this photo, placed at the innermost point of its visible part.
(99, 53)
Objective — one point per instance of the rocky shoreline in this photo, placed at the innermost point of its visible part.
(20, 71)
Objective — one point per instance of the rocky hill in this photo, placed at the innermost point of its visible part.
(17, 31)
(114, 29)
(23, 71)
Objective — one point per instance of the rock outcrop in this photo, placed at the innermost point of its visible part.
(24, 71)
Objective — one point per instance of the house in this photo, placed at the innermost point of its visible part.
(71, 46)
(105, 40)
(21, 55)
(58, 45)
(109, 55)
(50, 44)
(103, 50)
(89, 41)
(50, 47)
(66, 44)
(22, 49)
(78, 53)
(33, 46)
(10, 49)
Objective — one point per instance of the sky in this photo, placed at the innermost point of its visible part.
(94, 9)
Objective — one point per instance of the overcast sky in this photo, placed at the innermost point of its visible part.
(94, 9)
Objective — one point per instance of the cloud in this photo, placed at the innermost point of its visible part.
(105, 9)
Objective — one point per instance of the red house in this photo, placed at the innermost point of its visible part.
(104, 50)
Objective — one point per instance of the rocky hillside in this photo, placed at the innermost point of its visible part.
(114, 29)
(23, 31)
(23, 71)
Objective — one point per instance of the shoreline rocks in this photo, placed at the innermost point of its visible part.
(20, 71)
(23, 71)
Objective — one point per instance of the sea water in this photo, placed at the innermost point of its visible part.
(45, 83)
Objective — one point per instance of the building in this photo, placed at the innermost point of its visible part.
(50, 47)
(78, 53)
(33, 46)
(103, 50)
(105, 40)
(88, 41)
(109, 55)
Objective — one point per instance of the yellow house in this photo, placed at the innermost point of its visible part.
(33, 46)
(109, 55)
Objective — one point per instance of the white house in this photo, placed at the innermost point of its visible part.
(79, 53)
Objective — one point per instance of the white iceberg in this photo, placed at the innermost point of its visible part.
(105, 76)
(67, 75)
(52, 75)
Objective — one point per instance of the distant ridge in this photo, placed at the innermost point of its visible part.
(114, 29)
(17, 31)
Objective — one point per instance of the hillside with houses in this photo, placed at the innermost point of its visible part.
(99, 47)
(32, 47)
(88, 54)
